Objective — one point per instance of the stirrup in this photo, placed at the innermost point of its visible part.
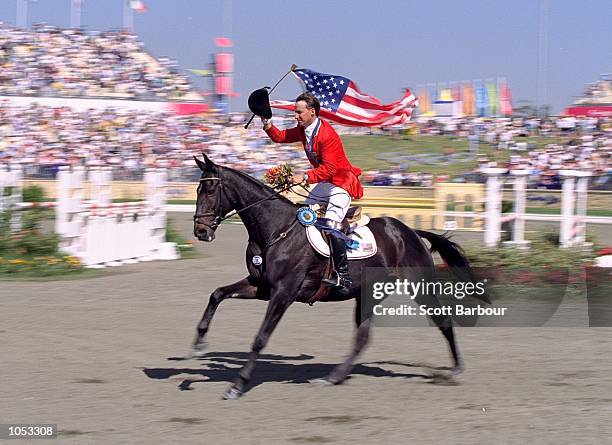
(342, 284)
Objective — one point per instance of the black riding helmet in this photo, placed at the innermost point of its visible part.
(259, 103)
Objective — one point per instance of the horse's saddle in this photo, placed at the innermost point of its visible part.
(354, 226)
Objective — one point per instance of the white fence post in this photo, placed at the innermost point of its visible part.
(518, 229)
(573, 207)
(567, 207)
(11, 179)
(492, 233)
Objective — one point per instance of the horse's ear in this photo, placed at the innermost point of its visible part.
(201, 164)
(210, 164)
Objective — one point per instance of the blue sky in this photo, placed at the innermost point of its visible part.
(383, 46)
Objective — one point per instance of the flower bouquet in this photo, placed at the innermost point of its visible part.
(279, 178)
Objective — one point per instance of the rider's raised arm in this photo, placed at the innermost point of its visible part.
(284, 136)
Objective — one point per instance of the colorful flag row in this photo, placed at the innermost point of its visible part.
(477, 98)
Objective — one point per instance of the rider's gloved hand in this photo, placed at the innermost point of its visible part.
(267, 123)
(299, 178)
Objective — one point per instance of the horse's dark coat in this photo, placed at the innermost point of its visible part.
(291, 269)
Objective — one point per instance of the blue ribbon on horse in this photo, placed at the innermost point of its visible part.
(321, 224)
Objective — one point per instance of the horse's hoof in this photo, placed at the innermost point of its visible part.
(199, 350)
(443, 379)
(326, 381)
(232, 393)
(321, 382)
(457, 370)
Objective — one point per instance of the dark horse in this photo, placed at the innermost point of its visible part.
(291, 271)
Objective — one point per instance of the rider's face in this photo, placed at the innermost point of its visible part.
(304, 116)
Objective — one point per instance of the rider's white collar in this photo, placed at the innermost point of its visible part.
(308, 130)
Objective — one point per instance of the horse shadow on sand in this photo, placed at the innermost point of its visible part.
(224, 366)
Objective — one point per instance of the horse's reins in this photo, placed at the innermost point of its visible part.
(219, 219)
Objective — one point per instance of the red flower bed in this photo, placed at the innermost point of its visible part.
(605, 251)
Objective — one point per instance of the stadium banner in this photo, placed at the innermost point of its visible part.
(590, 111)
(82, 105)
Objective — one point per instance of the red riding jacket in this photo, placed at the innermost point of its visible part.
(328, 159)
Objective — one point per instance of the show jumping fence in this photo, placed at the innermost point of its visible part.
(10, 194)
(465, 207)
(573, 207)
(96, 230)
(100, 232)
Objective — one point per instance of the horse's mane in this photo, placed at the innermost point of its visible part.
(259, 184)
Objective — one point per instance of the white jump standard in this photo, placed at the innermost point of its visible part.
(101, 233)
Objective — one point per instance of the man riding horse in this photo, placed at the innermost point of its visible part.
(279, 276)
(337, 181)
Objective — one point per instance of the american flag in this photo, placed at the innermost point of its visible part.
(343, 102)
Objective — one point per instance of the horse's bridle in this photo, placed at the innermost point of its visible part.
(216, 209)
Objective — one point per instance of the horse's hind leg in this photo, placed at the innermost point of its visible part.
(445, 325)
(243, 289)
(449, 334)
(341, 372)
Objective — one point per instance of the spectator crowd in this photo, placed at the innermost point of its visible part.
(582, 143)
(51, 61)
(44, 138)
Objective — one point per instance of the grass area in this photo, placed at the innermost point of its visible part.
(557, 211)
(597, 201)
(534, 210)
(362, 151)
(185, 247)
(33, 275)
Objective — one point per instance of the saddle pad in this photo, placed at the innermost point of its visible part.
(367, 243)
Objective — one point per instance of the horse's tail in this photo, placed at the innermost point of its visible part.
(453, 255)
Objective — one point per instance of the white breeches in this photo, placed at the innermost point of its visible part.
(337, 199)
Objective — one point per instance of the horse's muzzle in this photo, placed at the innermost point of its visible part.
(203, 232)
(206, 237)
(204, 226)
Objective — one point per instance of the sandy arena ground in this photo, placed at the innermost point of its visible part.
(103, 358)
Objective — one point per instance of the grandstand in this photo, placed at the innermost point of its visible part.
(596, 101)
(70, 97)
(50, 61)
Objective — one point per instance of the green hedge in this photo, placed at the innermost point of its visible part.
(33, 193)
(30, 252)
(543, 251)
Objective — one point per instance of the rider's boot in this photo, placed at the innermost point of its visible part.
(340, 281)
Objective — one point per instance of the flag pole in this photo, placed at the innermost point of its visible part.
(22, 14)
(128, 16)
(75, 13)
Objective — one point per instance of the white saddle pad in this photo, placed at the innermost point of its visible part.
(365, 237)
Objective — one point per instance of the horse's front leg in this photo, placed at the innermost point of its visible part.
(276, 308)
(243, 289)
